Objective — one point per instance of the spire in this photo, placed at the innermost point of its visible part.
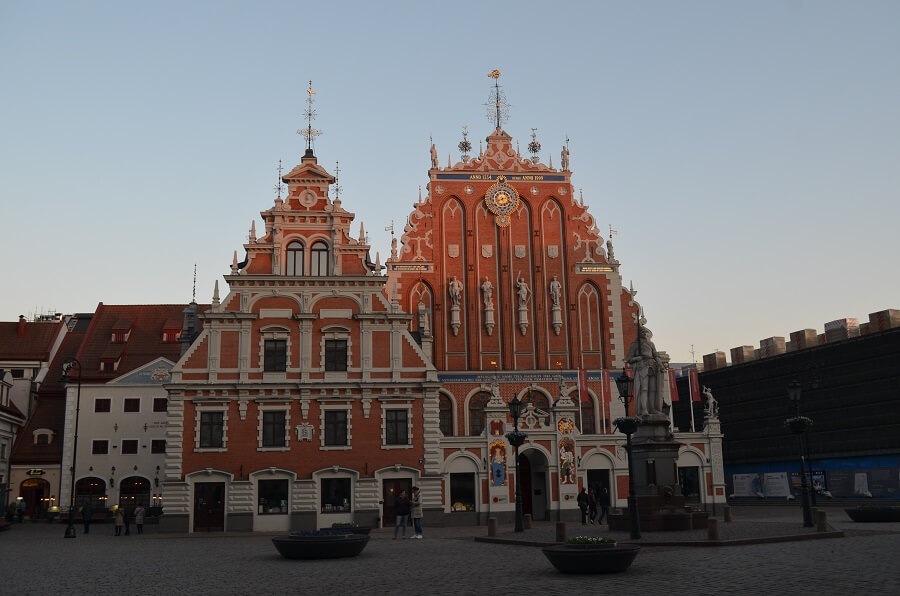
(464, 146)
(278, 182)
(337, 177)
(309, 132)
(253, 231)
(362, 233)
(194, 293)
(215, 298)
(377, 263)
(534, 148)
(234, 264)
(497, 106)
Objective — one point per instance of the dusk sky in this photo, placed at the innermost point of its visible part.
(748, 153)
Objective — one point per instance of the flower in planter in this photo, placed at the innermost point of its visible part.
(591, 540)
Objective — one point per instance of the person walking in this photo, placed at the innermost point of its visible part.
(127, 519)
(402, 506)
(592, 506)
(583, 505)
(86, 514)
(139, 518)
(417, 515)
(119, 519)
(604, 505)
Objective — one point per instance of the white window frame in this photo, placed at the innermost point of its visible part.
(200, 409)
(335, 408)
(140, 404)
(287, 426)
(385, 407)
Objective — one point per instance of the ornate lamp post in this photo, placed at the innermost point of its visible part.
(628, 425)
(798, 425)
(66, 367)
(516, 438)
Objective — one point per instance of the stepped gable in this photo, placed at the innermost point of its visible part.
(306, 214)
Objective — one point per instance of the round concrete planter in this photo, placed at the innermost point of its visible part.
(324, 546)
(589, 558)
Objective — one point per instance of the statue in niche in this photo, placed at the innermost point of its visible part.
(487, 291)
(647, 366)
(455, 288)
(522, 290)
(555, 290)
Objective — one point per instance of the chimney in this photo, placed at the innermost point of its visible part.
(21, 330)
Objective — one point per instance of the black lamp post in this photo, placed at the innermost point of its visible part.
(67, 366)
(516, 438)
(628, 425)
(799, 425)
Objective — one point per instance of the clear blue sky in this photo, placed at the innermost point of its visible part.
(747, 152)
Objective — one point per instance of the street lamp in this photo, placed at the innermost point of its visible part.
(798, 425)
(628, 425)
(66, 367)
(516, 438)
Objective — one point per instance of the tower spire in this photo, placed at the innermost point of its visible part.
(194, 292)
(278, 183)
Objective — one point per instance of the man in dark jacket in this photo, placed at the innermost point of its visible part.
(403, 507)
(583, 505)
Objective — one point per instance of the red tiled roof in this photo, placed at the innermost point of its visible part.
(145, 342)
(49, 411)
(35, 344)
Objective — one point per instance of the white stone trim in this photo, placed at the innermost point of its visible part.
(345, 407)
(200, 409)
(388, 405)
(261, 409)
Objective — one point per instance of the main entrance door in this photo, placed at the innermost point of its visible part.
(36, 492)
(209, 506)
(689, 479)
(525, 484)
(392, 489)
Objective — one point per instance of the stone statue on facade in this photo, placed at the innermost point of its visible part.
(455, 288)
(487, 292)
(647, 367)
(522, 290)
(434, 156)
(565, 158)
(712, 405)
(555, 290)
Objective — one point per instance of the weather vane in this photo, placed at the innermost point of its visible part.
(309, 132)
(279, 184)
(497, 106)
(465, 145)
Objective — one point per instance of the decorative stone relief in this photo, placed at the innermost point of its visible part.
(367, 406)
(305, 431)
(519, 251)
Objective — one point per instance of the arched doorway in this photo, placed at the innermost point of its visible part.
(134, 490)
(533, 476)
(90, 490)
(36, 493)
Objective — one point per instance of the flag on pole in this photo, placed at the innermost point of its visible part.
(695, 385)
(673, 386)
(583, 395)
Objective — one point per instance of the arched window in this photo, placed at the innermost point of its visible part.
(294, 259)
(588, 424)
(539, 400)
(476, 413)
(318, 264)
(446, 415)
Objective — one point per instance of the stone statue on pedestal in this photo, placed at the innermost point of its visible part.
(647, 366)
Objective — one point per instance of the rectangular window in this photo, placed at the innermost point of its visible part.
(275, 355)
(132, 404)
(129, 446)
(158, 446)
(335, 354)
(100, 447)
(395, 427)
(273, 429)
(462, 492)
(211, 429)
(336, 495)
(160, 404)
(18, 373)
(273, 497)
(335, 427)
(102, 404)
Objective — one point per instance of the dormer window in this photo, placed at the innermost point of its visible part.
(318, 262)
(171, 331)
(294, 261)
(43, 436)
(121, 331)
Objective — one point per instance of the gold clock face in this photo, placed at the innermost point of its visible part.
(501, 199)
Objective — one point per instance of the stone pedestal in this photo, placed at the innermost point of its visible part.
(659, 500)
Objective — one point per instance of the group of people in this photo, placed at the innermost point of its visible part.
(588, 502)
(122, 518)
(405, 506)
